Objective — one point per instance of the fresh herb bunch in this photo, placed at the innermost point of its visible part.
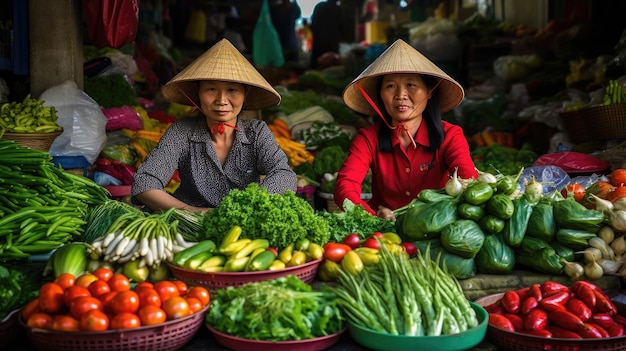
(275, 310)
(112, 90)
(16, 289)
(329, 160)
(282, 219)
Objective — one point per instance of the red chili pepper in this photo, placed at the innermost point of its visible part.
(540, 332)
(589, 331)
(585, 292)
(537, 319)
(550, 286)
(494, 308)
(555, 301)
(511, 302)
(616, 330)
(604, 304)
(500, 321)
(604, 320)
(529, 304)
(619, 319)
(517, 321)
(603, 332)
(535, 291)
(523, 293)
(579, 308)
(565, 319)
(559, 332)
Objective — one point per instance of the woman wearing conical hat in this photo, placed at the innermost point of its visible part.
(409, 148)
(216, 151)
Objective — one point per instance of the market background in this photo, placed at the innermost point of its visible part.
(526, 69)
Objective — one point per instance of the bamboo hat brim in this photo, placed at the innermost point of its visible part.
(225, 63)
(400, 57)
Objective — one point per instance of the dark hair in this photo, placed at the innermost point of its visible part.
(431, 116)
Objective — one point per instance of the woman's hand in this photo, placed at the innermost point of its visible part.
(385, 213)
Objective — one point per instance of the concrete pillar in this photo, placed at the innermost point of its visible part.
(56, 43)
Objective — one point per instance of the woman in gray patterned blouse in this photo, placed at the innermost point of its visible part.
(217, 151)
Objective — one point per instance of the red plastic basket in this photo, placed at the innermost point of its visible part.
(9, 328)
(241, 344)
(220, 280)
(171, 335)
(511, 341)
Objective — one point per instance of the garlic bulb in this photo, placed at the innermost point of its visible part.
(618, 245)
(620, 204)
(617, 219)
(574, 270)
(607, 234)
(609, 266)
(593, 271)
(486, 177)
(453, 185)
(599, 244)
(602, 205)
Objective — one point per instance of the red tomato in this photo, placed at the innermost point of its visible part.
(125, 301)
(99, 288)
(83, 304)
(576, 190)
(166, 289)
(125, 320)
(94, 320)
(103, 273)
(106, 300)
(618, 192)
(31, 307)
(64, 322)
(142, 285)
(65, 280)
(617, 177)
(201, 293)
(410, 248)
(176, 307)
(85, 279)
(148, 297)
(51, 298)
(39, 320)
(353, 240)
(119, 282)
(150, 315)
(377, 235)
(181, 286)
(194, 304)
(372, 243)
(335, 251)
(73, 293)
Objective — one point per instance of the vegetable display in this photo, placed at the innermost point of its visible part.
(275, 310)
(28, 116)
(404, 296)
(281, 219)
(41, 206)
(551, 309)
(18, 286)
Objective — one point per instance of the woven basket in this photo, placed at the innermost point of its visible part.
(39, 141)
(170, 335)
(606, 122)
(576, 126)
(221, 280)
(512, 341)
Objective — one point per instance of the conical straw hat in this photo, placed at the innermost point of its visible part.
(221, 62)
(400, 57)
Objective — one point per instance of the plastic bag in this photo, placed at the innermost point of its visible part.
(122, 117)
(266, 49)
(84, 124)
(112, 23)
(552, 178)
(573, 162)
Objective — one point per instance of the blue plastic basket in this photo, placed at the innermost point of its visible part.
(70, 163)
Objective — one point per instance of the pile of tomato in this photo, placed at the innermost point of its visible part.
(104, 300)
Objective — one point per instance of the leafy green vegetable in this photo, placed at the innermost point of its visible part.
(275, 310)
(16, 289)
(329, 160)
(354, 219)
(282, 219)
(112, 90)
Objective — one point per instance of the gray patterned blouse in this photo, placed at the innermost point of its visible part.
(187, 146)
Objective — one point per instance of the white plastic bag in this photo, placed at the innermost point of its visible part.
(84, 124)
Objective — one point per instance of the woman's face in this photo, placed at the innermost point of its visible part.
(221, 101)
(404, 96)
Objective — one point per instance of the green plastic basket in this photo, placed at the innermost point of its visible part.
(456, 342)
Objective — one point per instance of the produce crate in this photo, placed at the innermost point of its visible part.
(38, 141)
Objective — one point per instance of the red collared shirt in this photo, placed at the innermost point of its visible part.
(398, 176)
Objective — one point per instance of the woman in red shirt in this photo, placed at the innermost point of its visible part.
(410, 148)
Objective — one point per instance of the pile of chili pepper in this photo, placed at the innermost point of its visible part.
(552, 309)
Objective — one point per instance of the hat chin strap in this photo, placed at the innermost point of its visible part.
(401, 123)
(219, 127)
